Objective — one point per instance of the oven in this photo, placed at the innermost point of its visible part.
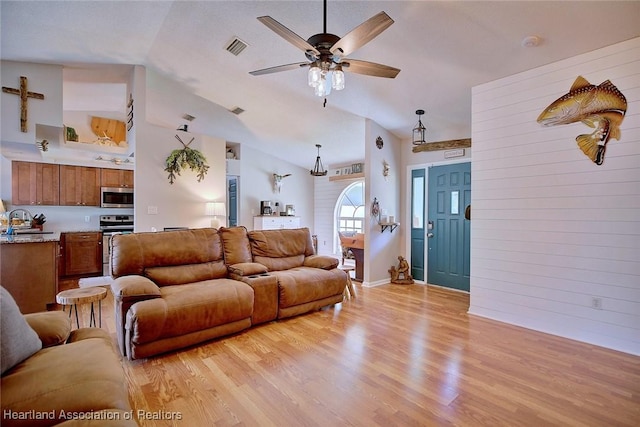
(110, 225)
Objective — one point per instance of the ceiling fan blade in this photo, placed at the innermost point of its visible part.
(279, 68)
(362, 34)
(288, 35)
(369, 68)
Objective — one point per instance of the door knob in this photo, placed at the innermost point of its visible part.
(430, 235)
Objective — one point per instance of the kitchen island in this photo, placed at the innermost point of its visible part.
(29, 269)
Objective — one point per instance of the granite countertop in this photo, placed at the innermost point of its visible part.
(30, 238)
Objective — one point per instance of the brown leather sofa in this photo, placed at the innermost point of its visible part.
(178, 288)
(72, 378)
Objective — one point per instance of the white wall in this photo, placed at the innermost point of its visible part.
(256, 184)
(41, 78)
(381, 248)
(550, 229)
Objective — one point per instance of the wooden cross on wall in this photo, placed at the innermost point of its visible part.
(24, 94)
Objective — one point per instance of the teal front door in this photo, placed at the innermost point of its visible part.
(448, 231)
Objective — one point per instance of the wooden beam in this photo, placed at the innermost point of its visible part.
(443, 145)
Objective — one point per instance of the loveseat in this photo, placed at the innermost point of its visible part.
(54, 376)
(178, 288)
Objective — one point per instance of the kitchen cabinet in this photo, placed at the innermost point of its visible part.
(29, 271)
(34, 183)
(81, 253)
(116, 178)
(275, 222)
(79, 186)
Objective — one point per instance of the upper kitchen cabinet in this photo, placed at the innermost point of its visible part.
(118, 178)
(79, 186)
(34, 183)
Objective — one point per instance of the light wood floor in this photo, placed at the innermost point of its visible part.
(394, 356)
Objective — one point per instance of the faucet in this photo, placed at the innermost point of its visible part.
(24, 213)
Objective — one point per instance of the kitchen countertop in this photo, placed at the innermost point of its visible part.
(30, 238)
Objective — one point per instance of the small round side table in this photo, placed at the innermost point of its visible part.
(349, 291)
(73, 297)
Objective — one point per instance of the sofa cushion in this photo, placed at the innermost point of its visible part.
(132, 254)
(181, 274)
(281, 243)
(188, 308)
(281, 249)
(305, 284)
(52, 327)
(235, 243)
(280, 263)
(18, 340)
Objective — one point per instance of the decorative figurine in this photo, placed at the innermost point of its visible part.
(402, 270)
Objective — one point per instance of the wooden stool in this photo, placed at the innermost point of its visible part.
(349, 291)
(73, 297)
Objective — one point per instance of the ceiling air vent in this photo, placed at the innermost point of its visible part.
(188, 117)
(237, 110)
(236, 46)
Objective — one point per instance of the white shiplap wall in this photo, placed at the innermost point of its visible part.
(551, 230)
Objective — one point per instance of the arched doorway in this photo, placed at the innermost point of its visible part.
(349, 212)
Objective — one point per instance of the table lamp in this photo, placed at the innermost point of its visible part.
(215, 210)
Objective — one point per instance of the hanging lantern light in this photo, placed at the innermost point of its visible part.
(318, 169)
(419, 130)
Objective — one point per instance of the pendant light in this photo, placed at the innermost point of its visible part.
(419, 130)
(318, 169)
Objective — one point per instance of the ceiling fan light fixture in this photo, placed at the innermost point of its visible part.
(325, 53)
(324, 86)
(419, 131)
(314, 75)
(318, 169)
(338, 78)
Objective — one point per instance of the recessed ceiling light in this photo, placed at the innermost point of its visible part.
(531, 41)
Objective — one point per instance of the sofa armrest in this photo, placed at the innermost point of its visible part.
(247, 269)
(128, 290)
(137, 288)
(321, 261)
(52, 327)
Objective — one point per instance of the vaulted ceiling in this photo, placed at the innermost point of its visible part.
(443, 48)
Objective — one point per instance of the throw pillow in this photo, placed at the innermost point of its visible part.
(17, 340)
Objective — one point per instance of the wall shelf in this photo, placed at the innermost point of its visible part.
(345, 177)
(390, 225)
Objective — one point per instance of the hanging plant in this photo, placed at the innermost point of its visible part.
(180, 159)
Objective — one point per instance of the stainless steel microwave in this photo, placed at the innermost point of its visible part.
(116, 197)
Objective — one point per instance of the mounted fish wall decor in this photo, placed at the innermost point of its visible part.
(601, 107)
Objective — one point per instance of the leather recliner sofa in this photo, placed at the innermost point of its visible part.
(178, 288)
(52, 375)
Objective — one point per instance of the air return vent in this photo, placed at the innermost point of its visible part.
(236, 46)
(237, 110)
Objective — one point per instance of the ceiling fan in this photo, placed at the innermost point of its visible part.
(327, 53)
